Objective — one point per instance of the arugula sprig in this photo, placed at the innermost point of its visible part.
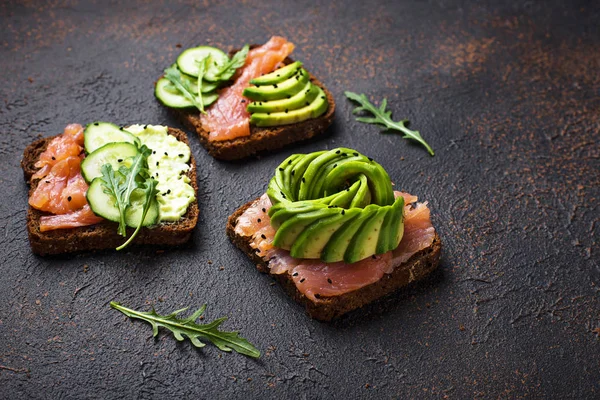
(122, 183)
(383, 117)
(174, 76)
(202, 68)
(238, 60)
(225, 341)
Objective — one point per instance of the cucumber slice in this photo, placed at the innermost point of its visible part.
(98, 134)
(104, 205)
(115, 154)
(187, 61)
(169, 96)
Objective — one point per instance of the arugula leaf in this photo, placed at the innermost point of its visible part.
(238, 60)
(174, 76)
(149, 188)
(202, 67)
(383, 117)
(225, 341)
(113, 186)
(122, 183)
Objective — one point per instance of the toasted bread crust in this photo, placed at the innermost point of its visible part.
(103, 235)
(260, 139)
(328, 308)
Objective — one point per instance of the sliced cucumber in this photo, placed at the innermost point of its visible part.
(167, 94)
(187, 61)
(115, 154)
(98, 134)
(104, 205)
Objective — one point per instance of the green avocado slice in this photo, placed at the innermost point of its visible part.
(312, 240)
(303, 98)
(364, 242)
(278, 91)
(340, 241)
(288, 232)
(279, 75)
(316, 108)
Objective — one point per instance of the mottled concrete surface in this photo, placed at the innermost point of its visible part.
(508, 96)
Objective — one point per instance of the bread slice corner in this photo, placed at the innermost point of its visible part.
(103, 235)
(260, 140)
(328, 308)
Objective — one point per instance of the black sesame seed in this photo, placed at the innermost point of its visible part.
(47, 181)
(120, 160)
(338, 152)
(268, 113)
(373, 256)
(289, 161)
(297, 77)
(264, 210)
(95, 123)
(347, 190)
(157, 163)
(54, 158)
(243, 101)
(154, 152)
(281, 193)
(329, 280)
(295, 274)
(302, 280)
(303, 179)
(169, 191)
(293, 172)
(181, 155)
(263, 236)
(307, 103)
(355, 154)
(121, 128)
(322, 97)
(278, 75)
(281, 169)
(259, 220)
(289, 97)
(275, 85)
(334, 165)
(370, 159)
(145, 126)
(286, 110)
(69, 198)
(343, 212)
(166, 154)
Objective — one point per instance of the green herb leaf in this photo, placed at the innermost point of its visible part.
(174, 76)
(202, 67)
(225, 341)
(122, 183)
(238, 60)
(149, 188)
(383, 117)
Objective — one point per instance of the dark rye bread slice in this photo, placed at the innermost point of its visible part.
(328, 308)
(103, 235)
(260, 139)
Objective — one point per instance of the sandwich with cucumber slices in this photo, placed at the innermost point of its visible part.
(248, 101)
(105, 186)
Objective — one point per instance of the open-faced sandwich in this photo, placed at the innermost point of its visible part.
(332, 230)
(249, 101)
(107, 186)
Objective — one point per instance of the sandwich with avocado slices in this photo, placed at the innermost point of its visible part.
(105, 186)
(246, 102)
(334, 233)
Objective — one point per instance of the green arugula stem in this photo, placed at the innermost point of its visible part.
(225, 341)
(384, 117)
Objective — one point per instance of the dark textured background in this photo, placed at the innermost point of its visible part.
(508, 96)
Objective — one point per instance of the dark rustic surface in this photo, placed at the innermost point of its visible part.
(509, 97)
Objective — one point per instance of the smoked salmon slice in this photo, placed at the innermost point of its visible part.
(69, 144)
(61, 190)
(83, 217)
(314, 278)
(227, 118)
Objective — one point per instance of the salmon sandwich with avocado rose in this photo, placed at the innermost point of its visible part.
(332, 230)
(108, 186)
(248, 101)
